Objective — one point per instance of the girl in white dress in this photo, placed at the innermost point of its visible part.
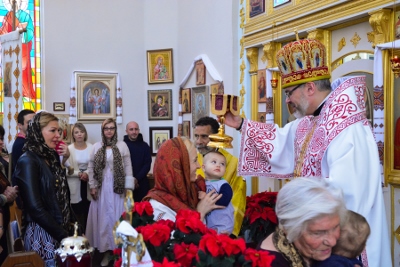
(110, 173)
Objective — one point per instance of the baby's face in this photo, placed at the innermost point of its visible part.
(214, 166)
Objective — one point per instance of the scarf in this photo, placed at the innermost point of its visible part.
(36, 144)
(4, 182)
(100, 163)
(287, 249)
(173, 187)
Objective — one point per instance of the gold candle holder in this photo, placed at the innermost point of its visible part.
(220, 105)
(395, 65)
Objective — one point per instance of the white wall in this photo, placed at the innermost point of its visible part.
(115, 35)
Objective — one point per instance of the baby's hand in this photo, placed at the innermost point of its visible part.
(202, 194)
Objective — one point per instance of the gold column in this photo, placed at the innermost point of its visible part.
(252, 56)
(380, 22)
(254, 185)
(269, 50)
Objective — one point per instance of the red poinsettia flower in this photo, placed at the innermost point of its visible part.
(118, 263)
(168, 223)
(188, 221)
(263, 197)
(255, 214)
(123, 216)
(271, 196)
(232, 246)
(212, 244)
(143, 206)
(185, 253)
(186, 213)
(258, 258)
(166, 263)
(260, 218)
(117, 251)
(269, 214)
(155, 233)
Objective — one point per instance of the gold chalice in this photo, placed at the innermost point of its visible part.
(220, 105)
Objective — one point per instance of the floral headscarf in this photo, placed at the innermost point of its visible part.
(173, 187)
(36, 144)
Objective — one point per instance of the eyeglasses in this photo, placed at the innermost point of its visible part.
(288, 94)
(109, 129)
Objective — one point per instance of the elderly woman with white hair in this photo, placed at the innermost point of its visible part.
(310, 211)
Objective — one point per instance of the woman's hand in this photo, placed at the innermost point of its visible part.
(202, 194)
(207, 204)
(63, 150)
(83, 176)
(11, 193)
(93, 193)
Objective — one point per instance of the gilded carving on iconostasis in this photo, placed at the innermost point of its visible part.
(341, 44)
(355, 39)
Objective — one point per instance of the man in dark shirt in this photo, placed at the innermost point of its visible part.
(141, 159)
(24, 116)
(23, 119)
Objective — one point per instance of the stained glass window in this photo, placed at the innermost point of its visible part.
(27, 11)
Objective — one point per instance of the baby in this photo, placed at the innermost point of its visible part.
(221, 220)
(353, 237)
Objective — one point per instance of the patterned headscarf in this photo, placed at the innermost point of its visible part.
(100, 160)
(36, 144)
(287, 249)
(173, 187)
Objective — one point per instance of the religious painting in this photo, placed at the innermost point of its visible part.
(397, 24)
(158, 135)
(7, 80)
(58, 106)
(256, 7)
(368, 93)
(214, 88)
(261, 116)
(65, 127)
(261, 87)
(186, 129)
(95, 96)
(186, 104)
(200, 102)
(217, 88)
(159, 104)
(160, 66)
(200, 72)
(280, 2)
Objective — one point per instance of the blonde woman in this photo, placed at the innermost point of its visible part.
(79, 157)
(43, 188)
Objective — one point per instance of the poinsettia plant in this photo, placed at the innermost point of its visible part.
(188, 242)
(260, 218)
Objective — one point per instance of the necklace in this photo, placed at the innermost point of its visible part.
(80, 146)
(300, 159)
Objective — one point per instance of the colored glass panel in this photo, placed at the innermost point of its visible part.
(28, 12)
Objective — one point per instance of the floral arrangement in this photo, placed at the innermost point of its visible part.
(260, 218)
(188, 242)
